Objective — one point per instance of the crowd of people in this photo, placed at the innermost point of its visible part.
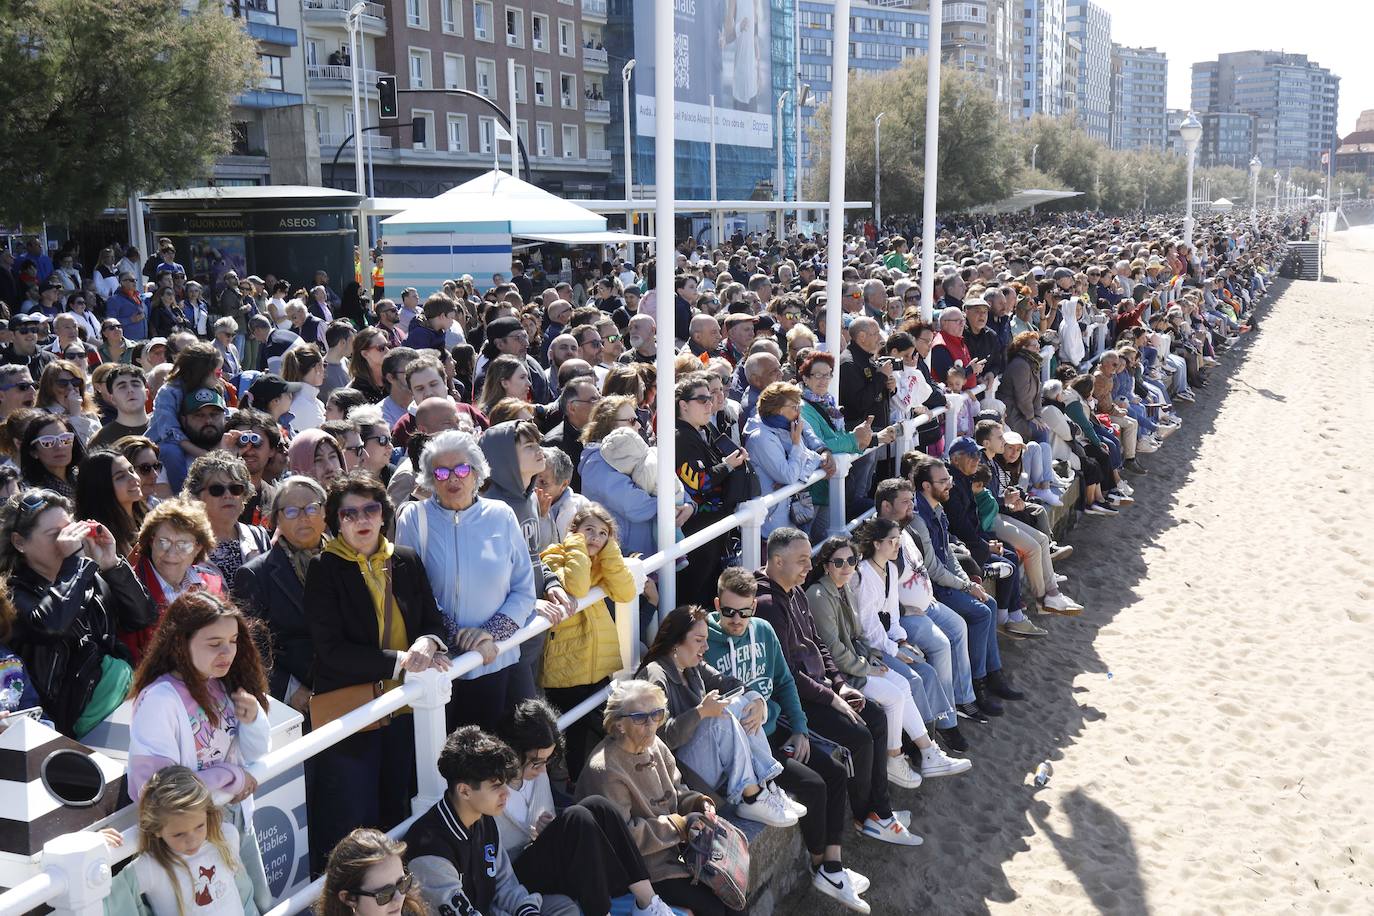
(221, 497)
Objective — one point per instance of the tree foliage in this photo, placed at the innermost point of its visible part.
(977, 161)
(104, 97)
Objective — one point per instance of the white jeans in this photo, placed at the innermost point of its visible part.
(892, 693)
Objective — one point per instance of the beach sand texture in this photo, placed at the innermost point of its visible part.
(1209, 717)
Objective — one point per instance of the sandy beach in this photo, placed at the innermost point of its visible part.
(1209, 717)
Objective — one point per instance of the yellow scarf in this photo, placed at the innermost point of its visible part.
(374, 573)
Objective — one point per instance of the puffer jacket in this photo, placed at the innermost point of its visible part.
(586, 647)
(634, 510)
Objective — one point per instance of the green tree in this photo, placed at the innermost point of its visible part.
(977, 160)
(104, 97)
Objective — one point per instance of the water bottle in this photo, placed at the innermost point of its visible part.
(1043, 774)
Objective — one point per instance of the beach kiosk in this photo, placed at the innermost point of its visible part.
(472, 229)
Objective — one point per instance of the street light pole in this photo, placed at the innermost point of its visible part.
(878, 171)
(1191, 132)
(803, 94)
(782, 176)
(931, 160)
(1255, 166)
(354, 44)
(1034, 149)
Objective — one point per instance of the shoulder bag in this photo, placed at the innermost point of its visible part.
(334, 704)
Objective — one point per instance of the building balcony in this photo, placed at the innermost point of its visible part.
(598, 110)
(598, 155)
(334, 79)
(595, 60)
(335, 13)
(594, 10)
(329, 143)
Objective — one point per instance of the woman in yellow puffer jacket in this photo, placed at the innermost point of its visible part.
(583, 651)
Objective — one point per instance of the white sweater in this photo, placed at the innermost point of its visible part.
(871, 597)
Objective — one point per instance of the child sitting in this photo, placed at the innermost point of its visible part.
(968, 410)
(625, 450)
(187, 855)
(987, 515)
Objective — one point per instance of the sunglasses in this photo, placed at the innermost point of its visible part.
(700, 399)
(219, 489)
(27, 329)
(253, 439)
(381, 348)
(742, 612)
(639, 718)
(384, 895)
(180, 548)
(461, 471)
(310, 510)
(67, 382)
(59, 441)
(611, 338)
(841, 562)
(22, 386)
(33, 502)
(366, 510)
(152, 467)
(383, 441)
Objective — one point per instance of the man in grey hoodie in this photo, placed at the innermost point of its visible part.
(516, 456)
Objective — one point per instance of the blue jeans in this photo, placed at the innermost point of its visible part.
(942, 636)
(1141, 416)
(981, 617)
(175, 463)
(727, 757)
(857, 484)
(926, 690)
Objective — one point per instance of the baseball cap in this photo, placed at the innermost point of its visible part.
(269, 387)
(202, 397)
(964, 445)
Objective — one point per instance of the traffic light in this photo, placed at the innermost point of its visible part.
(419, 129)
(386, 89)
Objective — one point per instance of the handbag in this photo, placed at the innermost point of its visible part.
(716, 854)
(334, 704)
(802, 509)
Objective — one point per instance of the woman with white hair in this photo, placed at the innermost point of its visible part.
(487, 590)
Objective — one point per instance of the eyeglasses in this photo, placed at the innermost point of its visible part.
(821, 376)
(309, 510)
(178, 547)
(595, 344)
(152, 467)
(380, 348)
(742, 612)
(793, 316)
(912, 298)
(219, 489)
(62, 440)
(841, 562)
(639, 718)
(366, 510)
(700, 398)
(383, 441)
(253, 439)
(461, 471)
(22, 386)
(67, 381)
(384, 895)
(627, 421)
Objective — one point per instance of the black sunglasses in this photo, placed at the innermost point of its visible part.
(152, 467)
(839, 562)
(744, 612)
(219, 489)
(384, 895)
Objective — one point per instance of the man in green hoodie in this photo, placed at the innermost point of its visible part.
(746, 647)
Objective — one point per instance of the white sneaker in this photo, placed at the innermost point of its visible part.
(837, 886)
(1164, 430)
(1060, 551)
(656, 907)
(765, 809)
(900, 773)
(889, 831)
(1145, 446)
(1126, 488)
(1049, 497)
(1120, 499)
(860, 882)
(1060, 602)
(789, 803)
(1185, 396)
(1060, 578)
(999, 569)
(935, 762)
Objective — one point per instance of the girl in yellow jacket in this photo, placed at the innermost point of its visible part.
(583, 651)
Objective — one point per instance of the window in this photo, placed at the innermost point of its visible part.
(417, 14)
(522, 131)
(539, 31)
(515, 28)
(419, 68)
(486, 78)
(271, 72)
(483, 16)
(455, 72)
(542, 78)
(521, 78)
(457, 133)
(566, 43)
(543, 139)
(451, 12)
(567, 90)
(486, 135)
(570, 150)
(312, 52)
(428, 118)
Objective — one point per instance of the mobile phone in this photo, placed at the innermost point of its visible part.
(727, 697)
(725, 445)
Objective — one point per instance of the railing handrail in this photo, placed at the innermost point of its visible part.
(37, 891)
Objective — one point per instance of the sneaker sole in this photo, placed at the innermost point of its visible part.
(1067, 612)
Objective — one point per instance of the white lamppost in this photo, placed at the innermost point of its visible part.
(625, 117)
(803, 94)
(1254, 190)
(782, 176)
(1190, 131)
(355, 43)
(1277, 179)
(878, 171)
(1034, 149)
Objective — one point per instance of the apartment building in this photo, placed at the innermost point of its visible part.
(1043, 41)
(1090, 80)
(983, 37)
(1140, 82)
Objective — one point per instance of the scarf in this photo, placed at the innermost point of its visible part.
(377, 578)
(826, 405)
(300, 558)
(777, 421)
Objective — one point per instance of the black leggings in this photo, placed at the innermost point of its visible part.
(819, 784)
(867, 744)
(698, 898)
(583, 735)
(585, 853)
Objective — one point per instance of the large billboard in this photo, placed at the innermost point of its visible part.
(721, 48)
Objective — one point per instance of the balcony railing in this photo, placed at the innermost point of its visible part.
(597, 106)
(374, 10)
(342, 74)
(595, 57)
(594, 8)
(599, 155)
(374, 140)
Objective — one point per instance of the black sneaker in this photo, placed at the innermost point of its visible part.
(986, 701)
(972, 712)
(952, 738)
(1135, 467)
(999, 686)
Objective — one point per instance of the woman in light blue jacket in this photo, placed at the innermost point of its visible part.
(480, 572)
(633, 508)
(774, 440)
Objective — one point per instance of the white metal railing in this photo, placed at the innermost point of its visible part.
(597, 106)
(375, 10)
(595, 57)
(370, 138)
(342, 73)
(428, 692)
(594, 8)
(599, 155)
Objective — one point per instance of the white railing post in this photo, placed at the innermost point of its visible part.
(627, 617)
(836, 485)
(1046, 357)
(431, 729)
(955, 406)
(751, 518)
(83, 860)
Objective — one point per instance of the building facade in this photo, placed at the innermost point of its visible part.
(1043, 39)
(1091, 81)
(1292, 101)
(1228, 138)
(1356, 152)
(983, 37)
(880, 38)
(1140, 82)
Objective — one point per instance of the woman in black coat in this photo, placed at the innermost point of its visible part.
(372, 616)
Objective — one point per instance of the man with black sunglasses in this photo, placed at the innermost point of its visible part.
(16, 389)
(25, 350)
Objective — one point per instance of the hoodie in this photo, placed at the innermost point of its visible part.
(807, 656)
(504, 485)
(756, 659)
